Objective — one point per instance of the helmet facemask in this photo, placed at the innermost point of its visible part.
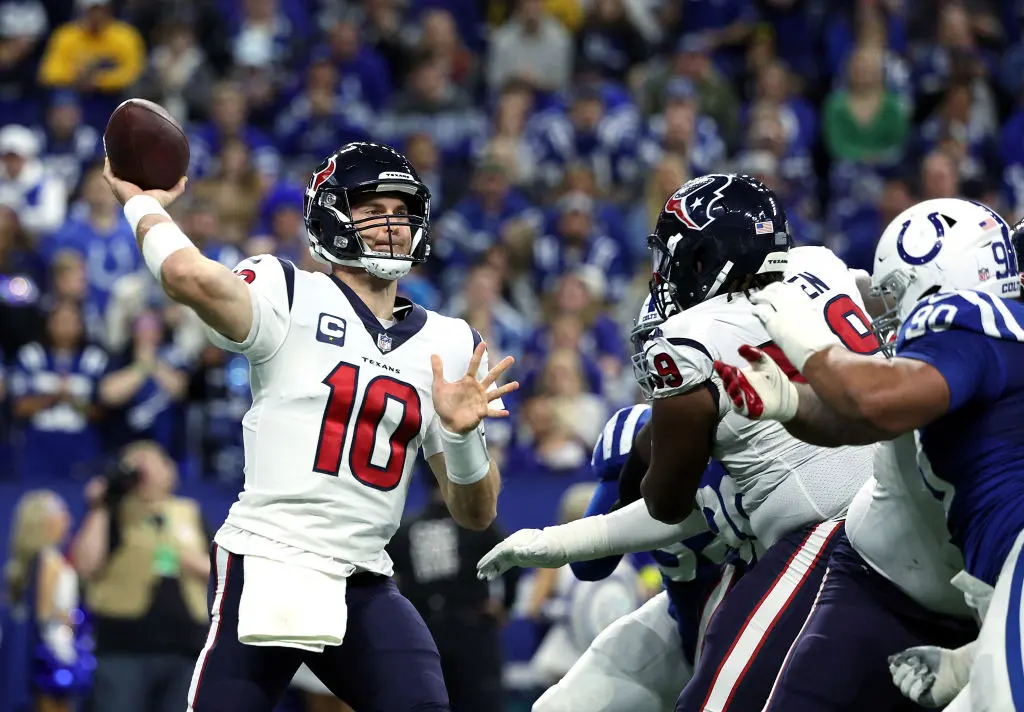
(649, 319)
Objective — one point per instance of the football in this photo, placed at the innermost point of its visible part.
(145, 145)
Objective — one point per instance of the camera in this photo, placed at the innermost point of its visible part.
(121, 479)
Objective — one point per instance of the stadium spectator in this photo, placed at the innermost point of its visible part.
(178, 76)
(531, 47)
(145, 385)
(40, 199)
(67, 145)
(53, 398)
(47, 661)
(865, 122)
(96, 55)
(97, 231)
(23, 28)
(143, 554)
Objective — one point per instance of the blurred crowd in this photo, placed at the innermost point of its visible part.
(550, 133)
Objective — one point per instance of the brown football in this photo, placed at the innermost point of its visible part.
(145, 145)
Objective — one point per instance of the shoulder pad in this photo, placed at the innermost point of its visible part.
(964, 310)
(616, 440)
(268, 274)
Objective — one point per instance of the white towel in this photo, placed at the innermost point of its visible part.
(290, 606)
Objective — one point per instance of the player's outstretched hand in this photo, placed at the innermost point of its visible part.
(760, 391)
(525, 548)
(463, 404)
(123, 190)
(931, 676)
(795, 323)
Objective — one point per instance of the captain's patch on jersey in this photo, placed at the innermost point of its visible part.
(330, 329)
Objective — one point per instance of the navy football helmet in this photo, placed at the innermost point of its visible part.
(714, 233)
(353, 173)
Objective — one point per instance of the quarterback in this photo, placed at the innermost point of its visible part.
(349, 381)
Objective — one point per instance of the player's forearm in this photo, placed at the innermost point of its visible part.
(625, 531)
(220, 298)
(858, 389)
(818, 424)
(474, 506)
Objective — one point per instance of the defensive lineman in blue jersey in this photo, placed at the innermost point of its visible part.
(955, 382)
(642, 661)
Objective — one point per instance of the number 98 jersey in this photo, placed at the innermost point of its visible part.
(785, 483)
(341, 404)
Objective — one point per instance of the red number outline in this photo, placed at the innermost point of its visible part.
(339, 412)
(360, 455)
(247, 275)
(668, 372)
(837, 313)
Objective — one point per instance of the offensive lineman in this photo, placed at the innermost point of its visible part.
(887, 588)
(718, 238)
(348, 383)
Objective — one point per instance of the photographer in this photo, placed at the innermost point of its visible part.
(142, 553)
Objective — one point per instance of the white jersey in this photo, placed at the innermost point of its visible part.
(340, 407)
(894, 507)
(786, 483)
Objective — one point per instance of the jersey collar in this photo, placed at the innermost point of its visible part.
(409, 319)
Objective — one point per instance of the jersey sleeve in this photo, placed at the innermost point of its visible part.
(679, 364)
(272, 287)
(941, 332)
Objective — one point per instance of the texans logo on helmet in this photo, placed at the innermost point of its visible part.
(692, 202)
(318, 179)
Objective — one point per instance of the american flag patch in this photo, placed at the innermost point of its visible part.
(764, 228)
(988, 223)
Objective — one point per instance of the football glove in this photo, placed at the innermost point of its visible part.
(525, 548)
(795, 323)
(760, 391)
(932, 676)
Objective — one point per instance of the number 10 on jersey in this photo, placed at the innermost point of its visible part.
(377, 447)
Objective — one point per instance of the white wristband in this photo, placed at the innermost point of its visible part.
(465, 456)
(139, 207)
(159, 243)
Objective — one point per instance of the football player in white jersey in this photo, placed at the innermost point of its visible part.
(888, 588)
(348, 382)
(954, 386)
(719, 238)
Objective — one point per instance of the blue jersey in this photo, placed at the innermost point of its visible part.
(692, 567)
(972, 458)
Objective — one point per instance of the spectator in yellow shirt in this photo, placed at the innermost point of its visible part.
(96, 54)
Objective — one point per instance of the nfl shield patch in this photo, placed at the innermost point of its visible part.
(383, 342)
(984, 274)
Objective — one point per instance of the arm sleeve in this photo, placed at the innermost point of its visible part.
(272, 286)
(968, 361)
(601, 503)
